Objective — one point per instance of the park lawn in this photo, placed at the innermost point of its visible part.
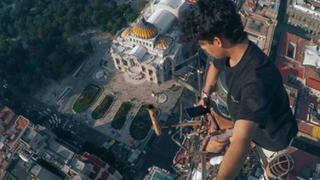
(103, 107)
(141, 124)
(121, 116)
(87, 97)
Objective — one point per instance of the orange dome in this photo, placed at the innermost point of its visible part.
(144, 30)
(163, 42)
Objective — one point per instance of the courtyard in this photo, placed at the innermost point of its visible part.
(113, 108)
(130, 124)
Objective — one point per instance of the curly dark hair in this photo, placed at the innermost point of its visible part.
(210, 18)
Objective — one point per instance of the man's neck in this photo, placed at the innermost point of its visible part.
(236, 52)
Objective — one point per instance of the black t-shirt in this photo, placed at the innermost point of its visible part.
(256, 93)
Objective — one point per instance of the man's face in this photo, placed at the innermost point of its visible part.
(213, 48)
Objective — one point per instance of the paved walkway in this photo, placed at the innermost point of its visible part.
(133, 81)
(137, 95)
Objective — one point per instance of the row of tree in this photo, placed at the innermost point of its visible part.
(37, 37)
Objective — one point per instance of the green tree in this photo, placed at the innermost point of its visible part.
(35, 37)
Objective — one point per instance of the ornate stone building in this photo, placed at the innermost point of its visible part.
(148, 48)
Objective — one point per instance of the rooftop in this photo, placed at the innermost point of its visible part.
(311, 7)
(156, 173)
(34, 139)
(15, 132)
(260, 30)
(172, 3)
(162, 19)
(42, 173)
(11, 129)
(62, 153)
(6, 118)
(266, 8)
(94, 165)
(138, 51)
(144, 30)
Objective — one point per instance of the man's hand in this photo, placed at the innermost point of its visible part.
(237, 151)
(204, 102)
(211, 79)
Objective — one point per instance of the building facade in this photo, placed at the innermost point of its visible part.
(260, 20)
(298, 60)
(305, 15)
(148, 48)
(35, 151)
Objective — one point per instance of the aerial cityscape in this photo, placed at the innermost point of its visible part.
(95, 89)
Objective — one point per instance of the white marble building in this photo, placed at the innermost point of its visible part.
(148, 48)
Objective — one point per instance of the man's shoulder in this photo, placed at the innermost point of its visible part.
(219, 63)
(261, 67)
(258, 58)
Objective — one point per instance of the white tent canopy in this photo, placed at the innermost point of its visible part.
(312, 56)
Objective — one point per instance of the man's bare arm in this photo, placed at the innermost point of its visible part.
(237, 151)
(211, 79)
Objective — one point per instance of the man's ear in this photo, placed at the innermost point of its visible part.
(217, 41)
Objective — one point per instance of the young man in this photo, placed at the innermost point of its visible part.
(257, 100)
